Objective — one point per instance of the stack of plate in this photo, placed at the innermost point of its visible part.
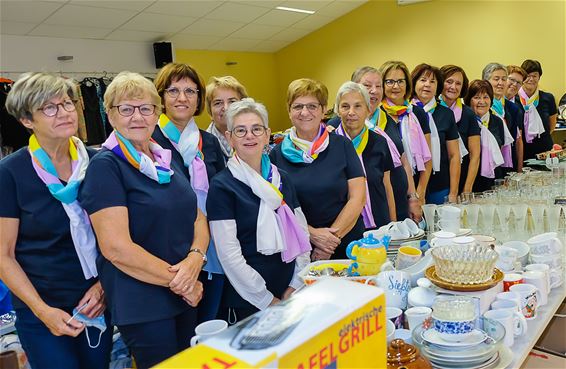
(481, 350)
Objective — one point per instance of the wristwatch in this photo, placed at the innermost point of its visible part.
(413, 196)
(204, 258)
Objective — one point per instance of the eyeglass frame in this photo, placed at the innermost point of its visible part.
(188, 92)
(392, 82)
(264, 130)
(134, 111)
(514, 81)
(42, 109)
(311, 107)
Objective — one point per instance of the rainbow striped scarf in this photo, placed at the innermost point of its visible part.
(377, 119)
(297, 150)
(360, 142)
(189, 144)
(81, 231)
(160, 171)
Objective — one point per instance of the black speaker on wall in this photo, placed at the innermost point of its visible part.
(163, 53)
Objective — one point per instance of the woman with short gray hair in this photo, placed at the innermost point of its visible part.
(255, 219)
(509, 113)
(353, 105)
(47, 246)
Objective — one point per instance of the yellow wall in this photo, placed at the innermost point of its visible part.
(438, 32)
(256, 71)
(466, 33)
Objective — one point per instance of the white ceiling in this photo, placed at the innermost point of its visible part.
(189, 24)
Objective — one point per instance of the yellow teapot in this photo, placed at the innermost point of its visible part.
(369, 255)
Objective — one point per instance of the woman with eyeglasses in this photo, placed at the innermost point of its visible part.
(325, 171)
(515, 77)
(152, 235)
(444, 137)
(508, 112)
(379, 122)
(540, 112)
(455, 85)
(199, 154)
(255, 219)
(47, 247)
(220, 93)
(412, 127)
(479, 98)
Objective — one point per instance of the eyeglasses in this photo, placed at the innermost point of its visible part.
(392, 82)
(534, 77)
(240, 131)
(312, 107)
(217, 104)
(174, 92)
(514, 81)
(51, 110)
(127, 110)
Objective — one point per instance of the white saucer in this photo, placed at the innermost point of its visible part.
(475, 338)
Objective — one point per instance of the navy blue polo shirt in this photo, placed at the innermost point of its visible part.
(546, 108)
(447, 131)
(495, 126)
(213, 157)
(231, 199)
(161, 219)
(467, 127)
(322, 186)
(44, 247)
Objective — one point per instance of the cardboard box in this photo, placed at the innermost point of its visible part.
(342, 326)
(553, 338)
(542, 360)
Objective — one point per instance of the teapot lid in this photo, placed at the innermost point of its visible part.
(371, 241)
(401, 352)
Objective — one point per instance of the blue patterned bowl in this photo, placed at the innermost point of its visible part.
(454, 331)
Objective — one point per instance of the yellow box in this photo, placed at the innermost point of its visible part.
(343, 327)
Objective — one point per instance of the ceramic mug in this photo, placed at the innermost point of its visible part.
(390, 330)
(484, 240)
(510, 279)
(454, 317)
(407, 256)
(514, 325)
(395, 315)
(208, 329)
(512, 296)
(507, 258)
(553, 261)
(530, 297)
(545, 244)
(417, 315)
(553, 276)
(452, 225)
(522, 250)
(396, 284)
(539, 280)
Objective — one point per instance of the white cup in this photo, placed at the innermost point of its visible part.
(417, 315)
(407, 256)
(507, 258)
(514, 323)
(396, 284)
(450, 225)
(390, 330)
(403, 334)
(208, 329)
(449, 212)
(553, 261)
(530, 297)
(545, 244)
(522, 250)
(553, 276)
(539, 280)
(395, 315)
(512, 296)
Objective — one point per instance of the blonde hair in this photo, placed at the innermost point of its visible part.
(307, 87)
(33, 89)
(130, 85)
(227, 82)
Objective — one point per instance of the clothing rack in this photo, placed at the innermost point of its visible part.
(14, 74)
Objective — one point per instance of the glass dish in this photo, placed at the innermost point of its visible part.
(464, 264)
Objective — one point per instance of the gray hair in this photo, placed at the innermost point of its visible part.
(361, 71)
(33, 89)
(490, 68)
(348, 87)
(246, 105)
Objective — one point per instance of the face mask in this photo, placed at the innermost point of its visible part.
(97, 322)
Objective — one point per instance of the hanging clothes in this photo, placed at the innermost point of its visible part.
(13, 135)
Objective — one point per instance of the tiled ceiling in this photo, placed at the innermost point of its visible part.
(189, 24)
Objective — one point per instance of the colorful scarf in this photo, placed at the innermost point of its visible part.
(189, 145)
(491, 156)
(360, 142)
(224, 144)
(277, 227)
(434, 137)
(297, 150)
(414, 142)
(160, 171)
(456, 108)
(498, 109)
(532, 121)
(81, 231)
(377, 123)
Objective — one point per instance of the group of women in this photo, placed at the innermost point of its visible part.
(168, 225)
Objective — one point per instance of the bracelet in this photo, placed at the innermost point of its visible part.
(198, 251)
(413, 196)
